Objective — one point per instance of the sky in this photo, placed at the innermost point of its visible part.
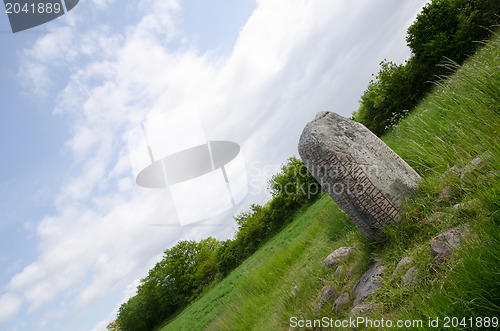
(76, 231)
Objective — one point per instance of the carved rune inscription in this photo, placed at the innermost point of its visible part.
(348, 184)
(360, 172)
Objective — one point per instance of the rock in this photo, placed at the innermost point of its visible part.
(401, 264)
(339, 271)
(365, 310)
(294, 290)
(349, 273)
(492, 174)
(341, 302)
(411, 277)
(328, 294)
(472, 171)
(369, 283)
(358, 170)
(338, 255)
(447, 194)
(465, 205)
(453, 171)
(445, 243)
(434, 217)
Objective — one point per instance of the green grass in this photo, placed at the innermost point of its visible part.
(292, 258)
(457, 122)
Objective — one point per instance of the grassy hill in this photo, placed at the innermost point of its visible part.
(457, 123)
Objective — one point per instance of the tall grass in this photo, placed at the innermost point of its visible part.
(459, 120)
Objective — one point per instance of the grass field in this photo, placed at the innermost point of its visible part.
(457, 122)
(292, 258)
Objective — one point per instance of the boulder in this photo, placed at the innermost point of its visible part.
(358, 170)
(477, 168)
(454, 171)
(328, 294)
(445, 243)
(447, 194)
(338, 255)
(365, 310)
(465, 205)
(411, 277)
(369, 283)
(339, 271)
(401, 264)
(341, 302)
(434, 217)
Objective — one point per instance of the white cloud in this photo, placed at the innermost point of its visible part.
(129, 292)
(102, 4)
(290, 61)
(9, 306)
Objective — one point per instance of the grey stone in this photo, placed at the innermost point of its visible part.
(492, 174)
(453, 171)
(328, 294)
(339, 271)
(447, 194)
(476, 169)
(445, 243)
(341, 302)
(411, 277)
(350, 272)
(369, 283)
(365, 310)
(465, 205)
(449, 191)
(338, 255)
(434, 217)
(401, 264)
(294, 290)
(358, 170)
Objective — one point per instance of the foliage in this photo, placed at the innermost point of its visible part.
(295, 181)
(113, 326)
(451, 28)
(184, 271)
(445, 29)
(395, 90)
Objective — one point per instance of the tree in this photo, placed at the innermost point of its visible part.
(395, 90)
(444, 30)
(451, 28)
(133, 315)
(294, 181)
(113, 326)
(243, 217)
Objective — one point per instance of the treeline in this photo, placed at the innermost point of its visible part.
(445, 30)
(189, 266)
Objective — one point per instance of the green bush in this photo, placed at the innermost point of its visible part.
(445, 30)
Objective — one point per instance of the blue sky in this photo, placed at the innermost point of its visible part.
(76, 232)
